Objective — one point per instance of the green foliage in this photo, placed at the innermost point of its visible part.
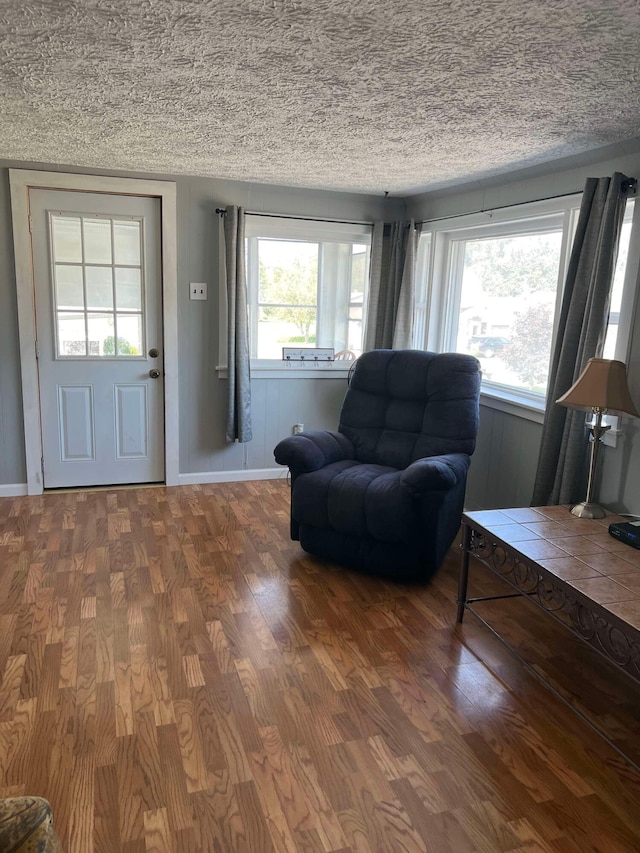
(124, 347)
(528, 353)
(294, 285)
(512, 266)
(298, 339)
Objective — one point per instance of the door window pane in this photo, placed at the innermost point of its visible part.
(85, 275)
(99, 287)
(67, 241)
(507, 303)
(71, 334)
(97, 241)
(69, 291)
(128, 290)
(100, 334)
(126, 240)
(129, 334)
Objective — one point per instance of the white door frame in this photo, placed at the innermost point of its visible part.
(21, 181)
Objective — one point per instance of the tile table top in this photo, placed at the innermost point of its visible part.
(579, 551)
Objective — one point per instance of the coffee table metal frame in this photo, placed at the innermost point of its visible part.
(612, 637)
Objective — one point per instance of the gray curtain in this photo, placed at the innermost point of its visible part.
(239, 391)
(560, 477)
(391, 286)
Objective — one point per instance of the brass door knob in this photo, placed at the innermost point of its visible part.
(154, 373)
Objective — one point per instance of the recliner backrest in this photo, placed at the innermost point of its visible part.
(403, 405)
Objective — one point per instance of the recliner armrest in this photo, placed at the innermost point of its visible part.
(310, 451)
(435, 473)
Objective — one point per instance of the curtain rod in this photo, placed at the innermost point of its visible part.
(222, 210)
(627, 186)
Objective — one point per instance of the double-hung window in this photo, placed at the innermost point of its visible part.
(491, 285)
(307, 284)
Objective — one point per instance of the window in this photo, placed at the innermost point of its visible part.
(97, 276)
(421, 308)
(307, 284)
(611, 348)
(494, 283)
(508, 292)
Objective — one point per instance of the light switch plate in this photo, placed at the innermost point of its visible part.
(197, 290)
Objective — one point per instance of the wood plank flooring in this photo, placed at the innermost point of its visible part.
(178, 676)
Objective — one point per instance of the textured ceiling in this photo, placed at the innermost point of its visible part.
(367, 95)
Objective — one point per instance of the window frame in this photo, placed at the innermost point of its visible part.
(439, 286)
(292, 229)
(444, 280)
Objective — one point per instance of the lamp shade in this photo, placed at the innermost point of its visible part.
(601, 385)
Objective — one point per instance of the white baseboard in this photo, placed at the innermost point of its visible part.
(13, 490)
(233, 476)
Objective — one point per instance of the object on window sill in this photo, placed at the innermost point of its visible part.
(308, 355)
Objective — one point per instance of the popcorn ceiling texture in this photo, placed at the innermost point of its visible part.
(367, 95)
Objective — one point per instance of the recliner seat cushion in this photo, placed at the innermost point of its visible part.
(357, 500)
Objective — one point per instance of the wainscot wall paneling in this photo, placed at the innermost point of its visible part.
(503, 467)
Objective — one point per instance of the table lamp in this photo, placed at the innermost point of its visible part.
(600, 388)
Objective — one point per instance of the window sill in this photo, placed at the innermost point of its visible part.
(524, 407)
(512, 403)
(276, 369)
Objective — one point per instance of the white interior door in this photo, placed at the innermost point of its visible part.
(97, 273)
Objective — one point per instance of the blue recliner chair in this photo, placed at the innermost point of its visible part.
(385, 492)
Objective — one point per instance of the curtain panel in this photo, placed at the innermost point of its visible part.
(391, 286)
(561, 473)
(238, 351)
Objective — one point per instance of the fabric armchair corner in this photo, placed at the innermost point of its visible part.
(385, 492)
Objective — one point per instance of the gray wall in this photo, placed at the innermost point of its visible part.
(278, 404)
(504, 464)
(503, 468)
(12, 463)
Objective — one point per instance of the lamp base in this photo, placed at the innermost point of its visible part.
(588, 510)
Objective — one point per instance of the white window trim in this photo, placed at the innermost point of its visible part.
(630, 289)
(627, 313)
(287, 228)
(272, 368)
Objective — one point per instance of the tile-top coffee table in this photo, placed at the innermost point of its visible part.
(570, 567)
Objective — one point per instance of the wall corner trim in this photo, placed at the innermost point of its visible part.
(232, 476)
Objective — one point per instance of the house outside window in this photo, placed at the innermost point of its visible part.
(492, 285)
(307, 284)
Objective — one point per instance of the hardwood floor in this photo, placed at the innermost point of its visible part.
(178, 676)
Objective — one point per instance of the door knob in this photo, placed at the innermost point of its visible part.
(154, 373)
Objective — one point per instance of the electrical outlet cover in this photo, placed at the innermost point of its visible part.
(197, 290)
